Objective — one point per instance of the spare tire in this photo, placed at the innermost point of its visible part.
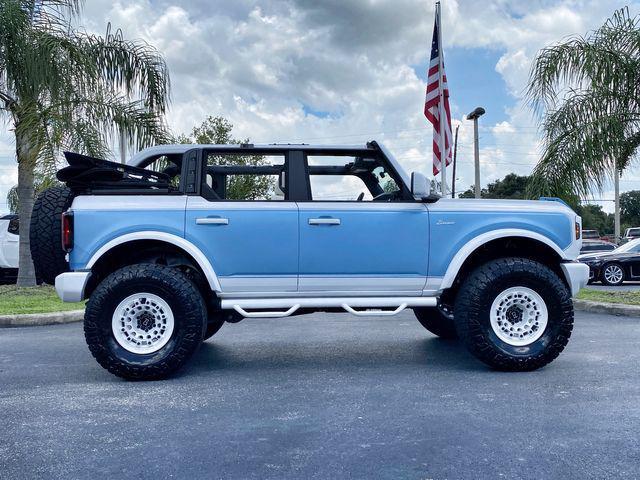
(45, 233)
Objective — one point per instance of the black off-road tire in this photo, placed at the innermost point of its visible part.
(45, 234)
(437, 320)
(187, 306)
(473, 305)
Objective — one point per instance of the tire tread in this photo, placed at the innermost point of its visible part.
(193, 318)
(469, 315)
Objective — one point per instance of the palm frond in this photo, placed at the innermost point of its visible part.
(133, 66)
(606, 57)
(586, 88)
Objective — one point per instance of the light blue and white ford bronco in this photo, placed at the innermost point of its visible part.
(187, 237)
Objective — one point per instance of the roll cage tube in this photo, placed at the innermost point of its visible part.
(295, 170)
(362, 167)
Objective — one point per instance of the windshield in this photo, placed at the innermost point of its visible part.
(632, 246)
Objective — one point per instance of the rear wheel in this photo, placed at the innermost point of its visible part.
(144, 321)
(45, 233)
(514, 314)
(437, 320)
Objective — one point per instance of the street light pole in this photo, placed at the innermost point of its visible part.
(455, 155)
(616, 186)
(477, 113)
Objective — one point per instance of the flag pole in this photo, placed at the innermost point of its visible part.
(441, 112)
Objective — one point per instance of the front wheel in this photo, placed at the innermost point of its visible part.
(514, 314)
(612, 274)
(144, 321)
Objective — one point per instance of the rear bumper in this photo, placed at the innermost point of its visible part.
(70, 286)
(577, 275)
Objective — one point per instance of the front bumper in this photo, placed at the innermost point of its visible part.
(577, 275)
(70, 286)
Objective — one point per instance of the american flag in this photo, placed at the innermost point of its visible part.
(432, 101)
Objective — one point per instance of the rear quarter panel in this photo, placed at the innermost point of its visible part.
(99, 219)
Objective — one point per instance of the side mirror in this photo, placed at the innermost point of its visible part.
(420, 186)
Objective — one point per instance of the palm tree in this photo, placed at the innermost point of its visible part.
(63, 88)
(587, 90)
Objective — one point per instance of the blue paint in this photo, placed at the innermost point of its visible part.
(384, 242)
(94, 228)
(448, 238)
(280, 242)
(255, 242)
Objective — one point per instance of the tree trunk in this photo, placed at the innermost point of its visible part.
(26, 165)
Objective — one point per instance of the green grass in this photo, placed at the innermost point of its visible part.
(629, 298)
(41, 299)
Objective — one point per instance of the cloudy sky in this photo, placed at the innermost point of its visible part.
(347, 71)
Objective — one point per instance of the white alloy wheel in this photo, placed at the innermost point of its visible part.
(519, 316)
(613, 273)
(142, 323)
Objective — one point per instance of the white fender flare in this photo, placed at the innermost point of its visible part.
(179, 242)
(473, 244)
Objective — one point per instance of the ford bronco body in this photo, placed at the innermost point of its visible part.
(216, 233)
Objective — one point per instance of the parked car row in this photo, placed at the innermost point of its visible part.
(594, 235)
(615, 266)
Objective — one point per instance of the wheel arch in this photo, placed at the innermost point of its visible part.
(502, 243)
(155, 240)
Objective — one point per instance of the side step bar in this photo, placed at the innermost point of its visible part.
(283, 307)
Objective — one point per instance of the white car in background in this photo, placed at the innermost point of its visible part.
(631, 234)
(9, 241)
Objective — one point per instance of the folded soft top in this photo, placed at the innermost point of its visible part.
(87, 175)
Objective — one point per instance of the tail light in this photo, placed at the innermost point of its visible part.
(67, 231)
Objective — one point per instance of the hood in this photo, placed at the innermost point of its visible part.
(585, 257)
(470, 204)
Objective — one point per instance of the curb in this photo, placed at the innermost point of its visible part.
(619, 309)
(40, 319)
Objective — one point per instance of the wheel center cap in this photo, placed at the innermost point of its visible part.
(514, 314)
(145, 321)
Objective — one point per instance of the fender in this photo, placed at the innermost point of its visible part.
(179, 242)
(476, 242)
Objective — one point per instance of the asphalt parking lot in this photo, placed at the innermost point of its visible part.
(323, 396)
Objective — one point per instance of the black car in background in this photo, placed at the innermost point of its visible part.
(616, 266)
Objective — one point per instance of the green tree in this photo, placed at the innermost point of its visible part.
(217, 130)
(594, 218)
(630, 207)
(510, 187)
(586, 88)
(62, 88)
